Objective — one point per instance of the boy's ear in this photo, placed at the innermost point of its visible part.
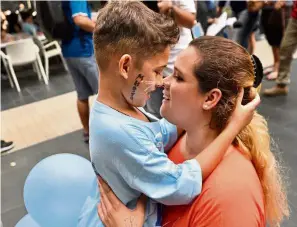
(125, 64)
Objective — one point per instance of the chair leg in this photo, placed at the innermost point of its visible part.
(8, 74)
(41, 69)
(14, 77)
(46, 67)
(64, 62)
(10, 80)
(36, 69)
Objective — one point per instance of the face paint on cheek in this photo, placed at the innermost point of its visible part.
(136, 84)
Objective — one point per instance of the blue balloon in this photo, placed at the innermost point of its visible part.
(56, 189)
(27, 221)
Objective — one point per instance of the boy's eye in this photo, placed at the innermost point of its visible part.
(158, 73)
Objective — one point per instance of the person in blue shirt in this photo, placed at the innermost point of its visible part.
(127, 145)
(79, 55)
(28, 25)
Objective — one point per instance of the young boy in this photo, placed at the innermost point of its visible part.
(128, 146)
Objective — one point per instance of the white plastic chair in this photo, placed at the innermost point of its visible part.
(48, 51)
(20, 53)
(5, 60)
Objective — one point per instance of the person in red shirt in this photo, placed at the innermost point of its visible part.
(287, 49)
(245, 189)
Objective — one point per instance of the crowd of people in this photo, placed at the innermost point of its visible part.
(174, 127)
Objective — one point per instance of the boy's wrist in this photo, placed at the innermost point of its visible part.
(233, 129)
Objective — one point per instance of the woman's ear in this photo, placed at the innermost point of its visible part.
(125, 64)
(212, 98)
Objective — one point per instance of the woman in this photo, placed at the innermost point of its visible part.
(246, 189)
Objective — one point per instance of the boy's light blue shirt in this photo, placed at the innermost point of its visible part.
(130, 155)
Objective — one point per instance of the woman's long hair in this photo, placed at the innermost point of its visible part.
(227, 66)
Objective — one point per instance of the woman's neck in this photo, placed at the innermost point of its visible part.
(197, 139)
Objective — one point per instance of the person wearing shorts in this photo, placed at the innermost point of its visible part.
(79, 55)
(274, 19)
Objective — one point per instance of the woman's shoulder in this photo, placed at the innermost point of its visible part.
(235, 174)
(232, 193)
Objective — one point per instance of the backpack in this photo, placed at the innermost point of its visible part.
(53, 20)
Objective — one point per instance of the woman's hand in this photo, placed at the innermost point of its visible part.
(113, 213)
(243, 114)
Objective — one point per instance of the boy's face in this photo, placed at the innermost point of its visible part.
(140, 82)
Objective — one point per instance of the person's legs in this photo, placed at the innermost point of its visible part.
(273, 74)
(84, 112)
(81, 71)
(252, 43)
(276, 57)
(288, 47)
(247, 21)
(91, 73)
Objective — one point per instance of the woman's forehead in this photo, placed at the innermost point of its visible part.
(186, 59)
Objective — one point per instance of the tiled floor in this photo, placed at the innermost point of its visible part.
(40, 121)
(34, 90)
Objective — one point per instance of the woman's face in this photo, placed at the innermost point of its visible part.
(182, 101)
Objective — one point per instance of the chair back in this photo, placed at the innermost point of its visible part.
(22, 52)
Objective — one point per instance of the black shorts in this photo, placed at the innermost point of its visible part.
(273, 25)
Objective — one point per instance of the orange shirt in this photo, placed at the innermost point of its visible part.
(231, 196)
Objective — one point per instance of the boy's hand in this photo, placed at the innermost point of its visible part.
(243, 114)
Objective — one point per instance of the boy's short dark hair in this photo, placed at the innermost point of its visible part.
(129, 27)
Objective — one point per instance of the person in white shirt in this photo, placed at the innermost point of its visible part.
(184, 13)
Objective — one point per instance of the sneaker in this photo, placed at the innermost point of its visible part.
(6, 146)
(276, 91)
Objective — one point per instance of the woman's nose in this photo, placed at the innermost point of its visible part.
(159, 81)
(166, 81)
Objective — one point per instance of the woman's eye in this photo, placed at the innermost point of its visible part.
(178, 78)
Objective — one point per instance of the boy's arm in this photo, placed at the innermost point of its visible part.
(147, 170)
(211, 156)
